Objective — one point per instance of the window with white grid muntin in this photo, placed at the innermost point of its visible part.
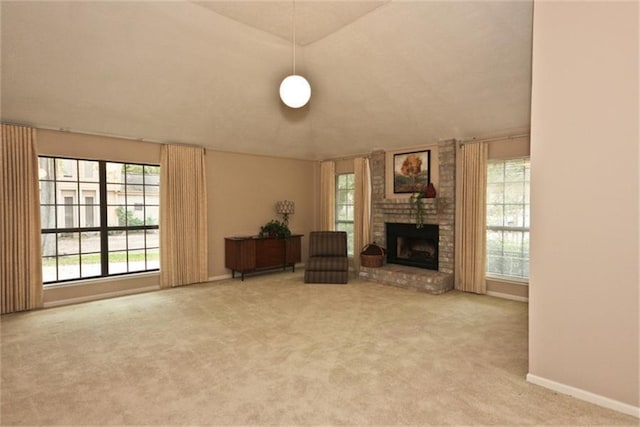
(508, 218)
(98, 218)
(345, 195)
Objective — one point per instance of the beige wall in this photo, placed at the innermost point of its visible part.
(509, 148)
(583, 296)
(344, 166)
(53, 143)
(509, 289)
(242, 192)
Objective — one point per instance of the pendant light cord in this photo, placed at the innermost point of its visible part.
(293, 30)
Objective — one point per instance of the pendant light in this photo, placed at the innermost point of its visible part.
(295, 90)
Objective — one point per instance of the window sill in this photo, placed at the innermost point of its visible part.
(97, 280)
(510, 280)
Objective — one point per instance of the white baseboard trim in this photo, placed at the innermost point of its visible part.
(96, 297)
(587, 396)
(507, 296)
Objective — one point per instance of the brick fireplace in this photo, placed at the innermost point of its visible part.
(439, 211)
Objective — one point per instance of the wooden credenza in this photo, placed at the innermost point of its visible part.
(247, 254)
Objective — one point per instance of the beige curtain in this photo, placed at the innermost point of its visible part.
(183, 216)
(20, 257)
(471, 195)
(362, 208)
(328, 196)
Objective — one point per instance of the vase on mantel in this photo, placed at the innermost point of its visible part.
(430, 193)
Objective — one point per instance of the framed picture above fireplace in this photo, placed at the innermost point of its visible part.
(411, 171)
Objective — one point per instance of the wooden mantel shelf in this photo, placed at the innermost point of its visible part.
(401, 206)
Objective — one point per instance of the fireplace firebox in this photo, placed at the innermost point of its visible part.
(409, 245)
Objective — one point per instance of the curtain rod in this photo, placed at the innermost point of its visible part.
(337, 159)
(499, 138)
(84, 132)
(102, 134)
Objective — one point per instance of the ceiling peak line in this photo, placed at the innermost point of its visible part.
(383, 3)
(326, 17)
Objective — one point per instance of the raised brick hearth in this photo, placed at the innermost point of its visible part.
(440, 210)
(419, 279)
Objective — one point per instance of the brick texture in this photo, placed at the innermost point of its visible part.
(440, 210)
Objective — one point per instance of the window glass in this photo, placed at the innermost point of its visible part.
(90, 265)
(47, 216)
(153, 258)
(152, 215)
(508, 218)
(118, 262)
(115, 173)
(151, 195)
(66, 169)
(345, 195)
(117, 240)
(72, 204)
(88, 171)
(90, 242)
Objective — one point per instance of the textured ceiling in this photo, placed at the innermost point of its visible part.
(383, 74)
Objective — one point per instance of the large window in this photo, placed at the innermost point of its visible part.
(508, 218)
(345, 194)
(98, 218)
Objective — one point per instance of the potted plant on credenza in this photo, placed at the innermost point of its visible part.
(275, 228)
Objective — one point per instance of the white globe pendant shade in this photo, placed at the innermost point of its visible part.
(295, 91)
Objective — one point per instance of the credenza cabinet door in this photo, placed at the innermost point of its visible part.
(240, 254)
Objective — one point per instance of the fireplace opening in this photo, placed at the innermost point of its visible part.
(408, 245)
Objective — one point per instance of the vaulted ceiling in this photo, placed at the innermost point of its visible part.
(384, 74)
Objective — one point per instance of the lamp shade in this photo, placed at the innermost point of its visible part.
(285, 207)
(295, 91)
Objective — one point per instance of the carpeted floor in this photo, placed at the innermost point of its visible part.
(272, 350)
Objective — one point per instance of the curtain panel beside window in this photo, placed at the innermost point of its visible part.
(20, 265)
(327, 196)
(471, 195)
(362, 229)
(183, 216)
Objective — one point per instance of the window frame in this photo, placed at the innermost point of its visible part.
(102, 228)
(523, 230)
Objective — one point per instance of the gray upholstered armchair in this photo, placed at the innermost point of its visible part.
(328, 261)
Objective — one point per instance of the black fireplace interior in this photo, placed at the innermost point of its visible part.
(409, 245)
